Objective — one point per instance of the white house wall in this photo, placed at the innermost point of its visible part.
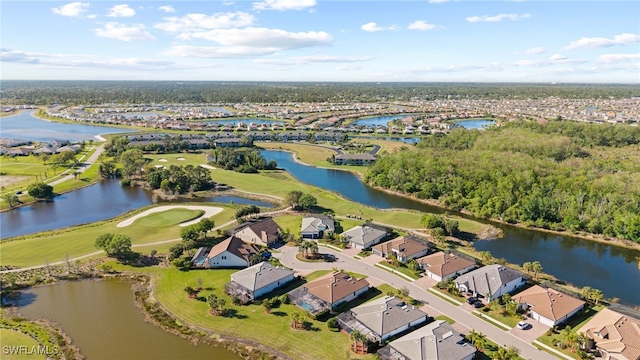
(274, 285)
(247, 235)
(227, 259)
(350, 297)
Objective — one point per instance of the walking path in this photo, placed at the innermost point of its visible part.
(347, 262)
(82, 168)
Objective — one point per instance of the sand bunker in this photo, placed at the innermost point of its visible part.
(162, 160)
(208, 166)
(208, 212)
(180, 159)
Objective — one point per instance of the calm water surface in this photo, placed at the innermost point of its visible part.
(103, 200)
(614, 270)
(101, 318)
(474, 124)
(380, 120)
(26, 126)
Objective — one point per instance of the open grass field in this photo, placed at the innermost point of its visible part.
(12, 339)
(53, 246)
(249, 321)
(168, 218)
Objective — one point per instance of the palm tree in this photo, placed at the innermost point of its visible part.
(303, 247)
(472, 336)
(486, 256)
(536, 267)
(358, 338)
(296, 319)
(313, 247)
(504, 353)
(268, 305)
(527, 266)
(481, 341)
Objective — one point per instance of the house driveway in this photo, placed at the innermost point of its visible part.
(535, 331)
(372, 259)
(424, 282)
(527, 351)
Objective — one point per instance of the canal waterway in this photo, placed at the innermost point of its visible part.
(614, 270)
(26, 126)
(101, 318)
(103, 200)
(380, 120)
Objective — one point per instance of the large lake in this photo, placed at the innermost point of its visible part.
(26, 126)
(103, 200)
(101, 318)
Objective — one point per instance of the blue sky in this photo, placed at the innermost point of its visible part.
(315, 40)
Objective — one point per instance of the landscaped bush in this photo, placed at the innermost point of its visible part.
(332, 324)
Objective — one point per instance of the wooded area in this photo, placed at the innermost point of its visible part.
(561, 175)
(161, 92)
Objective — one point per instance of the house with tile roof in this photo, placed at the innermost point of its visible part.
(264, 232)
(230, 253)
(257, 280)
(382, 318)
(363, 236)
(548, 306)
(315, 227)
(328, 292)
(435, 341)
(404, 248)
(491, 281)
(616, 336)
(443, 266)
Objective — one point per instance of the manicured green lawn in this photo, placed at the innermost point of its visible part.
(53, 246)
(400, 269)
(168, 218)
(249, 321)
(11, 339)
(510, 321)
(291, 223)
(445, 318)
(442, 294)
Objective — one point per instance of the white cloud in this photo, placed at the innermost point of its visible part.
(122, 10)
(82, 61)
(92, 16)
(557, 57)
(497, 18)
(201, 22)
(167, 9)
(611, 58)
(265, 38)
(249, 42)
(535, 51)
(349, 67)
(73, 9)
(421, 25)
(301, 60)
(113, 30)
(373, 27)
(438, 1)
(598, 42)
(283, 5)
(227, 3)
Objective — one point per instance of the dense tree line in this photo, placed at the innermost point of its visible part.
(244, 160)
(528, 173)
(178, 179)
(157, 92)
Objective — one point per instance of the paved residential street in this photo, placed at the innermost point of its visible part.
(377, 275)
